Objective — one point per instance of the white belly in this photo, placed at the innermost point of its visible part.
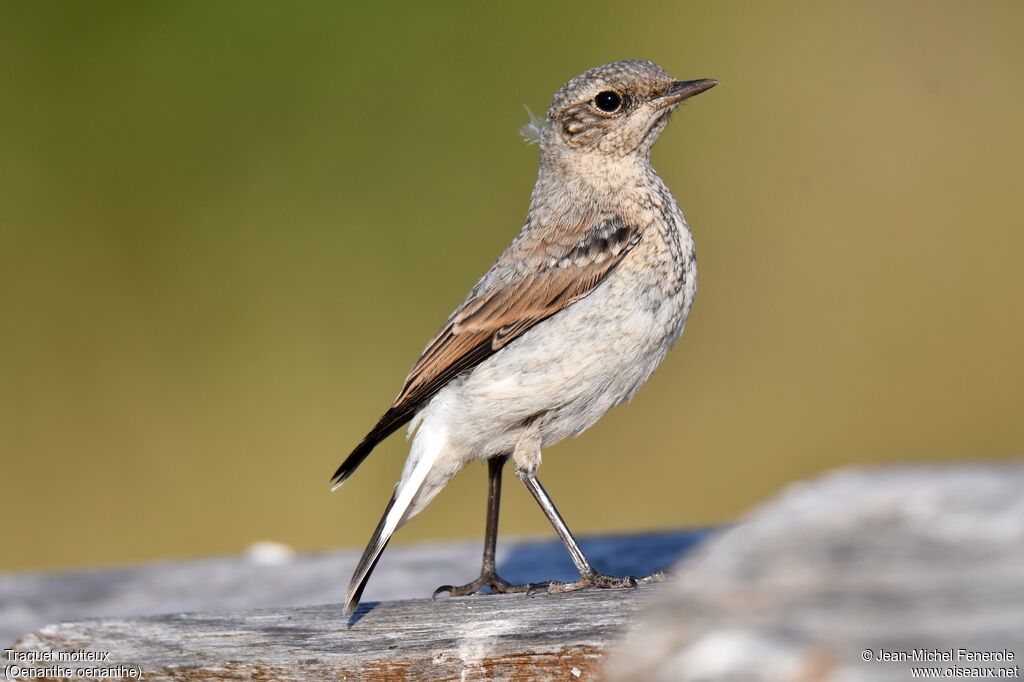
(574, 366)
(568, 370)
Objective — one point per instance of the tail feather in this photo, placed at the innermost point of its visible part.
(392, 420)
(368, 561)
(426, 449)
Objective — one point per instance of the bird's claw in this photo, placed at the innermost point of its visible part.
(497, 585)
(538, 587)
(656, 577)
(599, 580)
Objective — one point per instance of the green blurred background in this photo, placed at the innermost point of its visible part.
(228, 229)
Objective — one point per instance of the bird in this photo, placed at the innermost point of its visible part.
(571, 320)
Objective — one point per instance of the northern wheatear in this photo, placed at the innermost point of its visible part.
(571, 320)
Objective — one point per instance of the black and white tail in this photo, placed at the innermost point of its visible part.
(427, 446)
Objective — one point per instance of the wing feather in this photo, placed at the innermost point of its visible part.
(496, 314)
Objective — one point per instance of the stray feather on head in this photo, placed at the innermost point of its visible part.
(532, 130)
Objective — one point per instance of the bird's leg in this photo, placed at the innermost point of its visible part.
(488, 575)
(527, 462)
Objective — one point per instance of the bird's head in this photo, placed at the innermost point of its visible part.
(616, 110)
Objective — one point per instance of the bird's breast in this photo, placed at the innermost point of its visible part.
(660, 274)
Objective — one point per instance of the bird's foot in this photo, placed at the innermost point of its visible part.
(492, 580)
(606, 582)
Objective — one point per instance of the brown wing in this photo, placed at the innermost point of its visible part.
(495, 316)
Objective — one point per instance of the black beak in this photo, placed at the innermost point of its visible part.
(681, 90)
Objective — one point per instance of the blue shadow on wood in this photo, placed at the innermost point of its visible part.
(636, 555)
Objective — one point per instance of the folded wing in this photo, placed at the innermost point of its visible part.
(495, 314)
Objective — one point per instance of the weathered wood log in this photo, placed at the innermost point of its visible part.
(881, 561)
(499, 637)
(862, 576)
(29, 601)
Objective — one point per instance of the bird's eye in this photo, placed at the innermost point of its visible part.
(608, 101)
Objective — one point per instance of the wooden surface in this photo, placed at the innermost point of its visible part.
(895, 559)
(29, 601)
(875, 560)
(503, 637)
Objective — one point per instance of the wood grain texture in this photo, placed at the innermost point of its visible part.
(28, 601)
(504, 637)
(895, 559)
(890, 559)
